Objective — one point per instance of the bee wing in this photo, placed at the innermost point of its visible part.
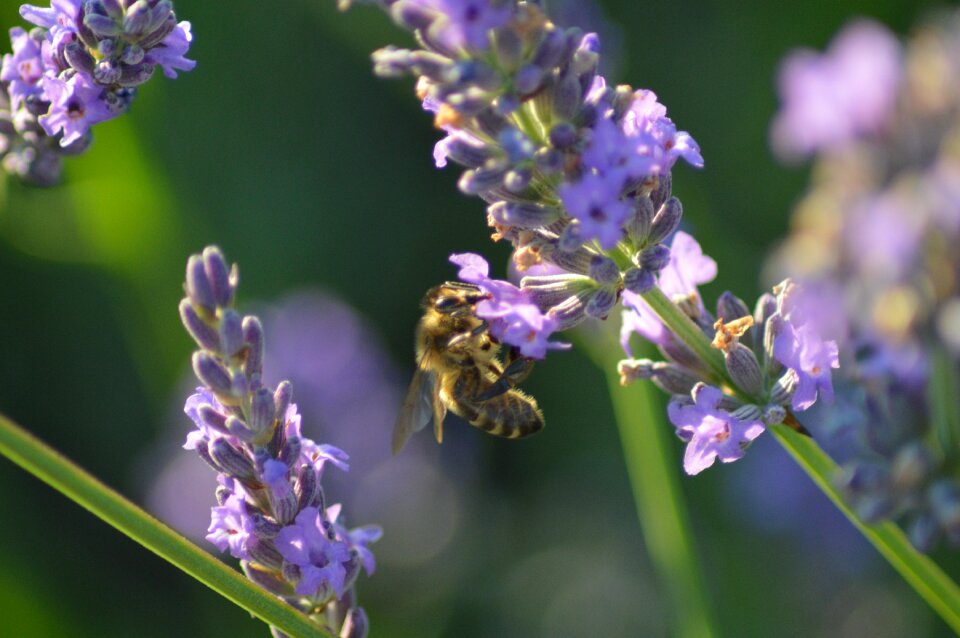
(417, 409)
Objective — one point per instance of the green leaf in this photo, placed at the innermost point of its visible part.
(76, 484)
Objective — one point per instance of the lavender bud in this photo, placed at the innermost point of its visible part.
(265, 528)
(911, 466)
(356, 624)
(284, 506)
(265, 553)
(239, 429)
(137, 20)
(569, 313)
(638, 227)
(771, 329)
(132, 54)
(490, 122)
(155, 37)
(306, 486)
(924, 532)
(575, 261)
(233, 461)
(319, 499)
(111, 8)
(78, 57)
(504, 104)
(604, 270)
(773, 414)
(944, 498)
(665, 221)
(412, 15)
(231, 333)
(548, 291)
(212, 418)
(291, 573)
(523, 215)
(253, 338)
(748, 412)
(199, 289)
(135, 74)
(744, 369)
(213, 375)
(203, 333)
(478, 180)
(204, 454)
(602, 302)
(622, 101)
(654, 258)
(290, 452)
(550, 50)
(782, 391)
(282, 397)
(528, 79)
(662, 192)
(107, 72)
(352, 567)
(566, 96)
(467, 154)
(101, 26)
(730, 307)
(267, 579)
(223, 279)
(435, 67)
(517, 180)
(563, 135)
(262, 410)
(672, 378)
(639, 280)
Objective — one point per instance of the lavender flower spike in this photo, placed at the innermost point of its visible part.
(80, 66)
(272, 514)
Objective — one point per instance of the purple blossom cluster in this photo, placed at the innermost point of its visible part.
(272, 514)
(874, 240)
(80, 65)
(577, 176)
(574, 172)
(775, 357)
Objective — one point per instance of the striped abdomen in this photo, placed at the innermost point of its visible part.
(511, 414)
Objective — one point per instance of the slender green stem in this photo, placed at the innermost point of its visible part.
(933, 585)
(76, 484)
(925, 576)
(944, 407)
(658, 497)
(688, 332)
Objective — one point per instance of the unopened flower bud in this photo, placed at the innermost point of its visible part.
(639, 280)
(214, 376)
(570, 312)
(265, 553)
(773, 414)
(563, 135)
(253, 338)
(202, 332)
(239, 429)
(199, 290)
(571, 238)
(231, 333)
(282, 398)
(662, 192)
(604, 270)
(782, 391)
(268, 579)
(479, 180)
(547, 291)
(566, 96)
(665, 221)
(233, 461)
(654, 258)
(744, 369)
(223, 279)
(523, 215)
(518, 179)
(356, 624)
(306, 486)
(747, 412)
(265, 528)
(638, 226)
(263, 410)
(602, 302)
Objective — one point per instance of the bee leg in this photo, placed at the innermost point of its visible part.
(517, 369)
(455, 339)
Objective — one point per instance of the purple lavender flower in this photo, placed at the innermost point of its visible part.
(688, 267)
(833, 98)
(655, 137)
(710, 432)
(169, 54)
(639, 318)
(75, 105)
(320, 558)
(461, 23)
(61, 14)
(513, 317)
(23, 68)
(232, 527)
(801, 349)
(595, 202)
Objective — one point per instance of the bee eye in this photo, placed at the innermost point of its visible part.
(446, 304)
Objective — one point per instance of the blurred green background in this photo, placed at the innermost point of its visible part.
(282, 148)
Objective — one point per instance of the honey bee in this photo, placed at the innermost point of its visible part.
(458, 370)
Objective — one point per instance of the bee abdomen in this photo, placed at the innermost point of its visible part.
(512, 415)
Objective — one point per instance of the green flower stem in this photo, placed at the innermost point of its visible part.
(76, 484)
(658, 497)
(944, 407)
(918, 570)
(688, 332)
(925, 576)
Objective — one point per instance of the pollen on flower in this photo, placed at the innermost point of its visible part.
(729, 333)
(447, 117)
